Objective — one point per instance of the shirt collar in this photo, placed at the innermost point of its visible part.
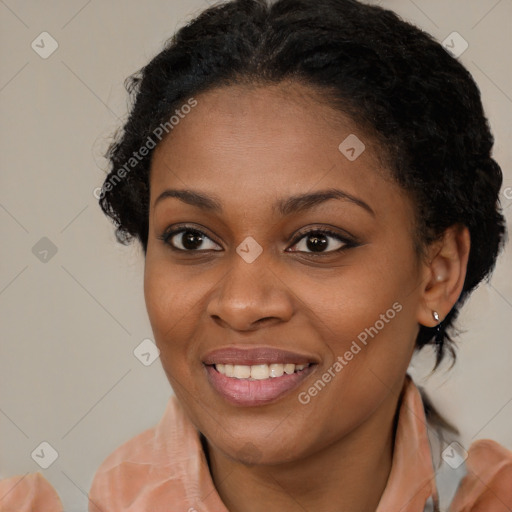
(166, 464)
(412, 479)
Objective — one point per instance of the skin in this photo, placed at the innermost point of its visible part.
(249, 147)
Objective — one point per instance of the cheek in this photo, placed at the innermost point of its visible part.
(367, 315)
(170, 305)
(170, 308)
(367, 288)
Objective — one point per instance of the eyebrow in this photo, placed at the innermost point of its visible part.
(286, 206)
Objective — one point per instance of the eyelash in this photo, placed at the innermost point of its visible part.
(348, 243)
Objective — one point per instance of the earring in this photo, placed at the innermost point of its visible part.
(438, 336)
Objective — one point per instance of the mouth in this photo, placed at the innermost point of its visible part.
(259, 371)
(254, 377)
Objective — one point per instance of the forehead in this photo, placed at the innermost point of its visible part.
(255, 142)
(249, 116)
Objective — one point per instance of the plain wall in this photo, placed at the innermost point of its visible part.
(69, 325)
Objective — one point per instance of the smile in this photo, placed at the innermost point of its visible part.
(258, 371)
(248, 376)
(256, 385)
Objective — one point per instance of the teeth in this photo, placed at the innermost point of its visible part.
(276, 370)
(241, 372)
(258, 371)
(289, 368)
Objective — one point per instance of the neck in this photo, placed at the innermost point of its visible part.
(350, 474)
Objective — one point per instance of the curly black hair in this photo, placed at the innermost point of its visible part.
(393, 80)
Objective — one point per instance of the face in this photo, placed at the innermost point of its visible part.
(247, 277)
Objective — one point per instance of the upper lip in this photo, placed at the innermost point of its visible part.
(255, 355)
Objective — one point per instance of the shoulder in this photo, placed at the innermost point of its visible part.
(26, 493)
(115, 479)
(488, 482)
(465, 476)
(152, 460)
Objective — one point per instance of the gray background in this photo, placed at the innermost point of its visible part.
(70, 323)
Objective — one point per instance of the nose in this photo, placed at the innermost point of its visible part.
(249, 295)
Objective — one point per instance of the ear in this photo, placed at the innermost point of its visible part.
(444, 272)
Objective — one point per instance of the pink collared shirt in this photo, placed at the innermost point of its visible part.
(166, 465)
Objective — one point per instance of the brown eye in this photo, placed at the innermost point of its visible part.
(187, 240)
(321, 241)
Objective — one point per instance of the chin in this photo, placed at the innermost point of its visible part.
(262, 449)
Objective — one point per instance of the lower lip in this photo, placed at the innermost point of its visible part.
(247, 393)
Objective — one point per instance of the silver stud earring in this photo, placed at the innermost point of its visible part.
(439, 335)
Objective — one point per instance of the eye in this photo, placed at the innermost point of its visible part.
(315, 241)
(187, 239)
(318, 240)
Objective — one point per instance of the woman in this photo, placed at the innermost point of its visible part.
(312, 185)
